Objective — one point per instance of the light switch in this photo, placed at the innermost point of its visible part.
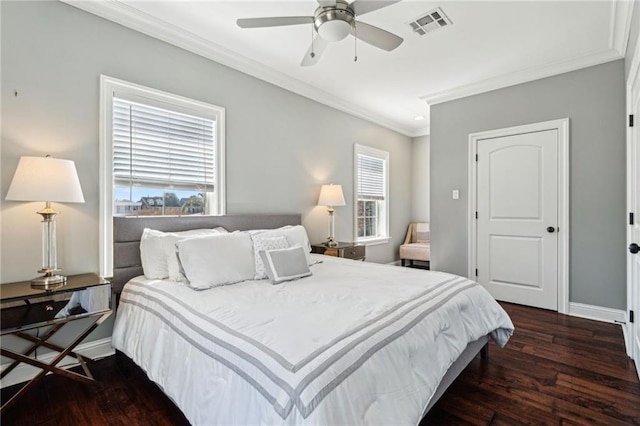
(456, 194)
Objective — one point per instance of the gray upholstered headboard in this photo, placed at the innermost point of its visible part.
(127, 232)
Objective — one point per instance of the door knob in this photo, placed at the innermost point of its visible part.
(551, 229)
(634, 248)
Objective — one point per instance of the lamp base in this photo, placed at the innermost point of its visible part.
(49, 281)
(331, 243)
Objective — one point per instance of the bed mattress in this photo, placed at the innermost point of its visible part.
(355, 343)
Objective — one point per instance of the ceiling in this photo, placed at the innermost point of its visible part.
(489, 45)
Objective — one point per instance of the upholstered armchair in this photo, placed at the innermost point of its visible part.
(417, 245)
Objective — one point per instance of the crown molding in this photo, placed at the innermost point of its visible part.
(125, 15)
(520, 77)
(620, 24)
(621, 13)
(425, 131)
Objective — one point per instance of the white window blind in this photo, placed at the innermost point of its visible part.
(371, 189)
(159, 148)
(371, 177)
(160, 154)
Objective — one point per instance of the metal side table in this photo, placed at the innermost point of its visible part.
(23, 308)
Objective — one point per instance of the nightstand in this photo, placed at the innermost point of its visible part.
(23, 308)
(353, 251)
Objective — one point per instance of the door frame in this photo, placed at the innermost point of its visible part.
(562, 127)
(633, 82)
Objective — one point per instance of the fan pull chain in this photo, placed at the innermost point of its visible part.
(312, 54)
(355, 43)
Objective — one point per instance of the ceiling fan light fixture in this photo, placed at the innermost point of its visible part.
(333, 21)
(334, 30)
(334, 24)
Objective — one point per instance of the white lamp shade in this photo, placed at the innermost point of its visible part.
(331, 196)
(45, 179)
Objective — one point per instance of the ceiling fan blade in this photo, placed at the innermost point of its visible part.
(276, 21)
(376, 36)
(360, 7)
(327, 3)
(319, 45)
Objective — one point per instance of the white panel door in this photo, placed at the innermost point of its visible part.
(517, 203)
(633, 235)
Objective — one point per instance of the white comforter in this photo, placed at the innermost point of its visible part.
(356, 343)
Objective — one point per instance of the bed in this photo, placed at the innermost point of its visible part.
(353, 343)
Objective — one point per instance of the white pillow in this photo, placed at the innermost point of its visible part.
(295, 235)
(170, 240)
(154, 252)
(285, 264)
(262, 243)
(216, 260)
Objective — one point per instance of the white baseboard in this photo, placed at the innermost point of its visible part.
(598, 313)
(93, 350)
(626, 332)
(395, 263)
(627, 341)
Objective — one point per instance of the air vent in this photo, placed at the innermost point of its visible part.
(429, 22)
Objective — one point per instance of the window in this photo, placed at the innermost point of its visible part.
(163, 161)
(160, 154)
(372, 194)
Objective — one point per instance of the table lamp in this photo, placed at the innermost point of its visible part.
(331, 196)
(50, 180)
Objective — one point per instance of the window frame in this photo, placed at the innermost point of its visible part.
(109, 86)
(383, 155)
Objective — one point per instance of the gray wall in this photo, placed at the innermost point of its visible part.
(420, 179)
(280, 146)
(594, 101)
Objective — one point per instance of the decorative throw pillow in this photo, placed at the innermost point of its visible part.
(422, 233)
(295, 235)
(217, 259)
(285, 264)
(262, 243)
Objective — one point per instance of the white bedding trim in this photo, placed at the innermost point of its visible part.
(153, 293)
(446, 292)
(294, 379)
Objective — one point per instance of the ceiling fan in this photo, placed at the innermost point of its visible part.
(333, 20)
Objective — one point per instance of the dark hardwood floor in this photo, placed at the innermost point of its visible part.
(556, 370)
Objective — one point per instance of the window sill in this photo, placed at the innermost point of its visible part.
(374, 241)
